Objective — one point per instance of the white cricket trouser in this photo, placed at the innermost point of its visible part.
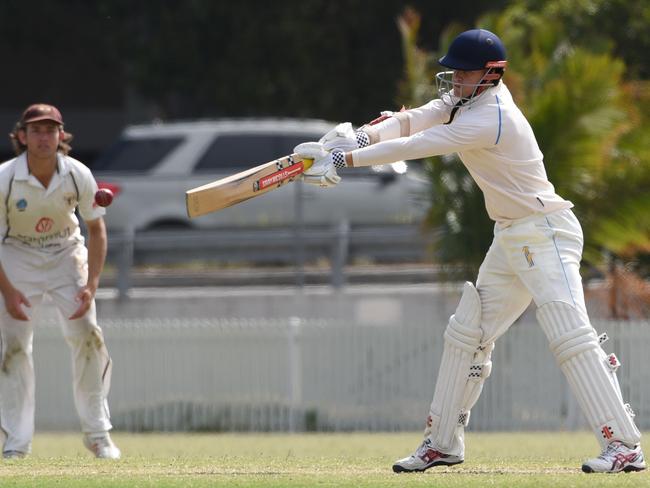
(538, 258)
(60, 276)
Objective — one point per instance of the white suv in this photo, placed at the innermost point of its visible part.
(151, 166)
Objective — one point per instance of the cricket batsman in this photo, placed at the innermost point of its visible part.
(535, 254)
(43, 253)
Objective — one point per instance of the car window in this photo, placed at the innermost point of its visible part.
(137, 155)
(238, 151)
(286, 143)
(243, 151)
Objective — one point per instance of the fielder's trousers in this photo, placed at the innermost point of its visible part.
(60, 276)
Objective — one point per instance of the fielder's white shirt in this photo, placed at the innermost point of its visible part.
(43, 219)
(493, 140)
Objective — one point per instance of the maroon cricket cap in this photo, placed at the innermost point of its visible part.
(41, 111)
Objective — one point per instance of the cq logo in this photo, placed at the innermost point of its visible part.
(529, 256)
(21, 205)
(44, 225)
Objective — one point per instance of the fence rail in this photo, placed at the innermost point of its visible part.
(337, 245)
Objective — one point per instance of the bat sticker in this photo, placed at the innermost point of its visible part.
(279, 177)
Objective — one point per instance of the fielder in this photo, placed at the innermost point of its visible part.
(535, 253)
(43, 253)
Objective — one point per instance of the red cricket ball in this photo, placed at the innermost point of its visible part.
(103, 197)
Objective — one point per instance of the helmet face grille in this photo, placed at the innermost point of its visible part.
(445, 86)
(475, 49)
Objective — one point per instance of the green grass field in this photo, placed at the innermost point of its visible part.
(278, 460)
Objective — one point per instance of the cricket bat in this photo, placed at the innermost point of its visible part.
(244, 185)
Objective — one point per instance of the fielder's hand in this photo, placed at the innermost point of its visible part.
(14, 302)
(323, 171)
(84, 298)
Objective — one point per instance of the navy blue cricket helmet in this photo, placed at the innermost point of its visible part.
(473, 50)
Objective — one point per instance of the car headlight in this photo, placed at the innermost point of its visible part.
(399, 167)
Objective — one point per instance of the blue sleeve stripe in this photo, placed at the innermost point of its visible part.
(499, 132)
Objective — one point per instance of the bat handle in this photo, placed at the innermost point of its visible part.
(306, 163)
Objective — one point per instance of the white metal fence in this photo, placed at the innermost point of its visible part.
(317, 374)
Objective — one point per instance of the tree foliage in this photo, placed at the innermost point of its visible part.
(205, 58)
(589, 114)
(589, 117)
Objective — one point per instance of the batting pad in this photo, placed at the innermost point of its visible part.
(465, 365)
(589, 371)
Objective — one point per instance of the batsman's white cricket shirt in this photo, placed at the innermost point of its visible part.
(493, 140)
(33, 217)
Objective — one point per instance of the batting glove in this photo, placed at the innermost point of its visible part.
(343, 137)
(323, 171)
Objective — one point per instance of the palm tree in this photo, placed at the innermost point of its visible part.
(587, 119)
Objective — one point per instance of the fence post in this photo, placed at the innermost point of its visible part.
(125, 262)
(295, 371)
(298, 237)
(340, 253)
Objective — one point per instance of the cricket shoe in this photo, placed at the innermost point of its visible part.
(615, 458)
(102, 446)
(14, 455)
(425, 457)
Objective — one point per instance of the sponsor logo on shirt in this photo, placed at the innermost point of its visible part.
(47, 241)
(44, 225)
(21, 205)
